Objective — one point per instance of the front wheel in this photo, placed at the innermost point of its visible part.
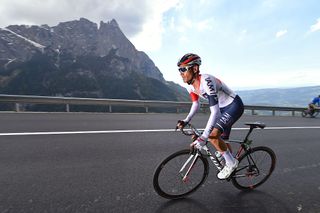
(255, 167)
(304, 113)
(170, 180)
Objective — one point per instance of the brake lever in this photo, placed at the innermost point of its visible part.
(178, 128)
(194, 137)
(191, 150)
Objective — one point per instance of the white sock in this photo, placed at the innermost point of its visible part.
(230, 160)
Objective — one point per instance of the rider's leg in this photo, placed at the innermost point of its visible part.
(311, 109)
(221, 146)
(229, 115)
(225, 138)
(229, 146)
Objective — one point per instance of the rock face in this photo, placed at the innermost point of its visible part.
(77, 38)
(80, 59)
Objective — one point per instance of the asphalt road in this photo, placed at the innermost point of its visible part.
(74, 162)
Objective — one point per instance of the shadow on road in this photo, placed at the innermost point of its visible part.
(254, 201)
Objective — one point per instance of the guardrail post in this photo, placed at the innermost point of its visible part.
(110, 108)
(178, 110)
(17, 107)
(147, 109)
(293, 113)
(67, 108)
(273, 112)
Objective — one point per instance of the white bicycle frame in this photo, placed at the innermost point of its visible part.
(193, 158)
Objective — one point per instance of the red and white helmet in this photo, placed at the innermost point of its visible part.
(189, 59)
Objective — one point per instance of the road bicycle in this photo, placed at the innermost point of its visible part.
(183, 172)
(312, 113)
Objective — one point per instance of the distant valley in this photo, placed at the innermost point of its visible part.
(295, 97)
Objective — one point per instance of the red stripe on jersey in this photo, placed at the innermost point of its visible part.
(194, 96)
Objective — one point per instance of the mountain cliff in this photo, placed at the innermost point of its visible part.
(78, 58)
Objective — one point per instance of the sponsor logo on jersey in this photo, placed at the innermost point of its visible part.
(225, 118)
(210, 85)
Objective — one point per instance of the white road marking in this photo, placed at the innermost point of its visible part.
(136, 131)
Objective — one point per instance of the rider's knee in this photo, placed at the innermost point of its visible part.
(213, 140)
(214, 136)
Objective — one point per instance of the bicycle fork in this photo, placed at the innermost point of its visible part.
(192, 157)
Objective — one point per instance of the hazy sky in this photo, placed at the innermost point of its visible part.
(246, 43)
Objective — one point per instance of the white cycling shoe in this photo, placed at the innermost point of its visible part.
(227, 170)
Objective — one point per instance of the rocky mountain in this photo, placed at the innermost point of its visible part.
(79, 59)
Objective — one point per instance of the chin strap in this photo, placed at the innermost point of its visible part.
(192, 79)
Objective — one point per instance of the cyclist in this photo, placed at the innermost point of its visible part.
(315, 104)
(225, 106)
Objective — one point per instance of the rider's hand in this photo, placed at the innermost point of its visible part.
(181, 124)
(198, 143)
(194, 137)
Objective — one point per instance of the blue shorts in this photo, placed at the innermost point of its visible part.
(229, 115)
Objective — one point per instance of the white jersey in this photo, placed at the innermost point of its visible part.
(216, 92)
(212, 86)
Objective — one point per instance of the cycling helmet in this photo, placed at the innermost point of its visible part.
(189, 59)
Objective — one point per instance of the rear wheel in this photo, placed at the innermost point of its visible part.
(168, 179)
(315, 114)
(255, 167)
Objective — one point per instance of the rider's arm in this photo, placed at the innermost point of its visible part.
(194, 107)
(210, 88)
(214, 112)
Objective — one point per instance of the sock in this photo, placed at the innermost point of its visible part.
(228, 157)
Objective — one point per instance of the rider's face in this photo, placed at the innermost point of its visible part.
(186, 75)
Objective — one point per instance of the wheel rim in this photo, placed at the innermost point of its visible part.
(249, 177)
(169, 183)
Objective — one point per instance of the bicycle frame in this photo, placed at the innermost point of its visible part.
(205, 151)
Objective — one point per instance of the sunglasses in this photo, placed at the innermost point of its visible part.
(184, 69)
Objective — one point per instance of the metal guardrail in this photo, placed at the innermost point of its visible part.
(274, 109)
(28, 99)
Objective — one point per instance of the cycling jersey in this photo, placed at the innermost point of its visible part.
(220, 98)
(316, 101)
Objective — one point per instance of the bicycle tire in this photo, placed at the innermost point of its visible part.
(167, 181)
(315, 114)
(304, 113)
(255, 167)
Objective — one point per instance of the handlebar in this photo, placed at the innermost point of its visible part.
(192, 130)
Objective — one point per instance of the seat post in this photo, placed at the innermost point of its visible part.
(250, 130)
